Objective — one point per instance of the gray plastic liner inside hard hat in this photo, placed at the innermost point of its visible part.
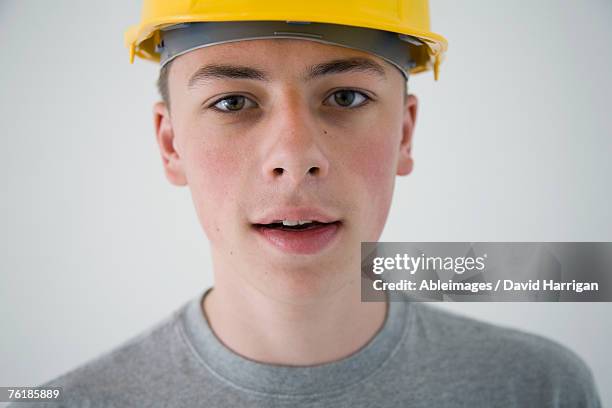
(182, 38)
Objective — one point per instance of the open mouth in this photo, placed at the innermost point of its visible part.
(299, 236)
(296, 226)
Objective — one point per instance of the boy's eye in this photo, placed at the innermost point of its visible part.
(233, 103)
(347, 98)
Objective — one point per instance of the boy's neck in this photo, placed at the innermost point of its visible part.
(267, 330)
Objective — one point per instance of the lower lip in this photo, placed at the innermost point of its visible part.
(303, 242)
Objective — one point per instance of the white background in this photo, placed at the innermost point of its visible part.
(512, 144)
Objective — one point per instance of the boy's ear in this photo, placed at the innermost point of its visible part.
(405, 162)
(164, 133)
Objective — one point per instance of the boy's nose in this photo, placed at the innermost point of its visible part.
(295, 152)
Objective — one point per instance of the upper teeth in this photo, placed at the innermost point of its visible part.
(293, 223)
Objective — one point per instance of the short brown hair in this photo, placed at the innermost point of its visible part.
(162, 83)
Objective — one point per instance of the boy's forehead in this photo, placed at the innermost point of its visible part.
(278, 56)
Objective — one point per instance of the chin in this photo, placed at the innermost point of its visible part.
(303, 284)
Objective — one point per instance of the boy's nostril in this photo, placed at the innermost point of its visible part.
(314, 171)
(278, 171)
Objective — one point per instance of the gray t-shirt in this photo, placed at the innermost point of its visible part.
(421, 357)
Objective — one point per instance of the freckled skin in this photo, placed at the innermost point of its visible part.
(228, 161)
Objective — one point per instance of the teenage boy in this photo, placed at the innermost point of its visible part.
(289, 124)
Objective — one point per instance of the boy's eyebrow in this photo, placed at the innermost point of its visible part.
(358, 64)
(338, 66)
(215, 71)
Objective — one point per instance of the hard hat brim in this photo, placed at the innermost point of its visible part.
(141, 39)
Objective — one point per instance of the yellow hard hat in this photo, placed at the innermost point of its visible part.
(407, 20)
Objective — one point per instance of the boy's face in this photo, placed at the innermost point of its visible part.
(269, 130)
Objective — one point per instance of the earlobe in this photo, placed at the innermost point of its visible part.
(405, 161)
(164, 133)
(405, 164)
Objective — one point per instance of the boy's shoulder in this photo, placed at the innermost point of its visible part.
(451, 330)
(496, 357)
(127, 371)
